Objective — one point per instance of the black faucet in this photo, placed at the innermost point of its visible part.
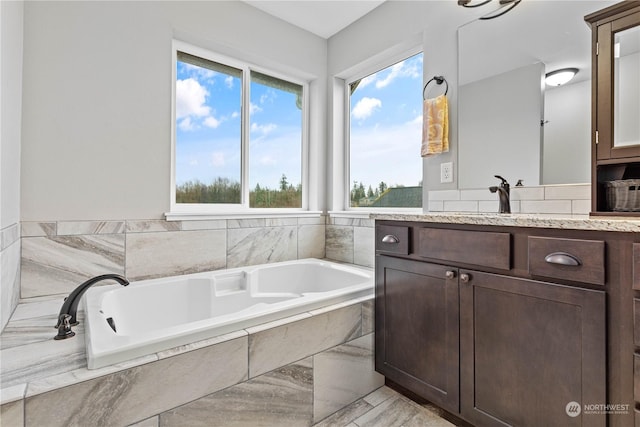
(503, 193)
(67, 317)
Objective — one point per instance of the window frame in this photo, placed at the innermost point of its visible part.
(359, 72)
(179, 211)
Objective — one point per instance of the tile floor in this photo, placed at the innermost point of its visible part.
(387, 408)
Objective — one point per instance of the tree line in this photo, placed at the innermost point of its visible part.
(224, 190)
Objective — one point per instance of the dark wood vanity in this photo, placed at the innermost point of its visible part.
(507, 325)
(615, 159)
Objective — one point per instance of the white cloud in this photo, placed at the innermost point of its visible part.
(366, 81)
(229, 82)
(217, 159)
(267, 160)
(211, 122)
(399, 70)
(365, 107)
(263, 129)
(253, 108)
(185, 124)
(235, 115)
(190, 99)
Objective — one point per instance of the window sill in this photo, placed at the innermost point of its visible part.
(244, 214)
(366, 213)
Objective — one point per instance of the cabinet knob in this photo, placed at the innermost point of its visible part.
(450, 274)
(390, 238)
(464, 278)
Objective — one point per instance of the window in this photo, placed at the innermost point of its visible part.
(239, 136)
(385, 131)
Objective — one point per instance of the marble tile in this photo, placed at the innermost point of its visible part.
(213, 224)
(72, 228)
(346, 415)
(149, 422)
(250, 246)
(9, 235)
(339, 243)
(48, 305)
(10, 281)
(170, 253)
(342, 375)
(37, 360)
(272, 348)
(319, 220)
(283, 397)
(399, 412)
(12, 414)
(281, 222)
(353, 222)
(247, 223)
(201, 344)
(364, 246)
(12, 394)
(152, 225)
(54, 265)
(38, 229)
(138, 393)
(380, 395)
(368, 319)
(311, 241)
(27, 331)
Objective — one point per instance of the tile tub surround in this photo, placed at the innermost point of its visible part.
(571, 199)
(9, 271)
(351, 240)
(300, 385)
(58, 256)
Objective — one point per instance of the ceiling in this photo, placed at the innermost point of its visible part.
(321, 17)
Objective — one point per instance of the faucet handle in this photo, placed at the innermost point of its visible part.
(64, 327)
(504, 181)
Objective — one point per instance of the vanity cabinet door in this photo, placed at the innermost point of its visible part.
(528, 349)
(417, 328)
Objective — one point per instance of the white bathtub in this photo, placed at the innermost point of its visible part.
(154, 315)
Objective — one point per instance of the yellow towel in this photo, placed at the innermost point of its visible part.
(435, 126)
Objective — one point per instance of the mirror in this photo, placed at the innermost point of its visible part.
(626, 71)
(510, 122)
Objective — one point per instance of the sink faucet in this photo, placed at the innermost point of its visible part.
(67, 317)
(503, 193)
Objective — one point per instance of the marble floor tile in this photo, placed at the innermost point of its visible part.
(283, 397)
(346, 415)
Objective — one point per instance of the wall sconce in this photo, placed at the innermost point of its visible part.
(510, 5)
(560, 77)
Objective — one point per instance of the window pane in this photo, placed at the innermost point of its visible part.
(385, 134)
(275, 148)
(208, 131)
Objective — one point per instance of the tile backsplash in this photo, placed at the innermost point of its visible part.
(572, 199)
(57, 256)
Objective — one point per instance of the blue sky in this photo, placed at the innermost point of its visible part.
(386, 126)
(208, 129)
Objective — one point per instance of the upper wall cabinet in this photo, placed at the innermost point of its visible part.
(616, 108)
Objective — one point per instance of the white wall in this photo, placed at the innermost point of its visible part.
(10, 119)
(500, 131)
(97, 100)
(567, 134)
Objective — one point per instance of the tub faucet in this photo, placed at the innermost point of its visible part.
(67, 317)
(503, 193)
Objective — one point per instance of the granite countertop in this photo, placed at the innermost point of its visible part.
(574, 222)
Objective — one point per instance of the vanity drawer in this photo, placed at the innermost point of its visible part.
(392, 239)
(567, 259)
(488, 249)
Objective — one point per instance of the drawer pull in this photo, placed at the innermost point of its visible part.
(390, 238)
(450, 274)
(464, 278)
(562, 258)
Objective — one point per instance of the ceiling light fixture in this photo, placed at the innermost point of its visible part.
(560, 77)
(510, 4)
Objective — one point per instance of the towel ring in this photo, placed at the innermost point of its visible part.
(438, 80)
